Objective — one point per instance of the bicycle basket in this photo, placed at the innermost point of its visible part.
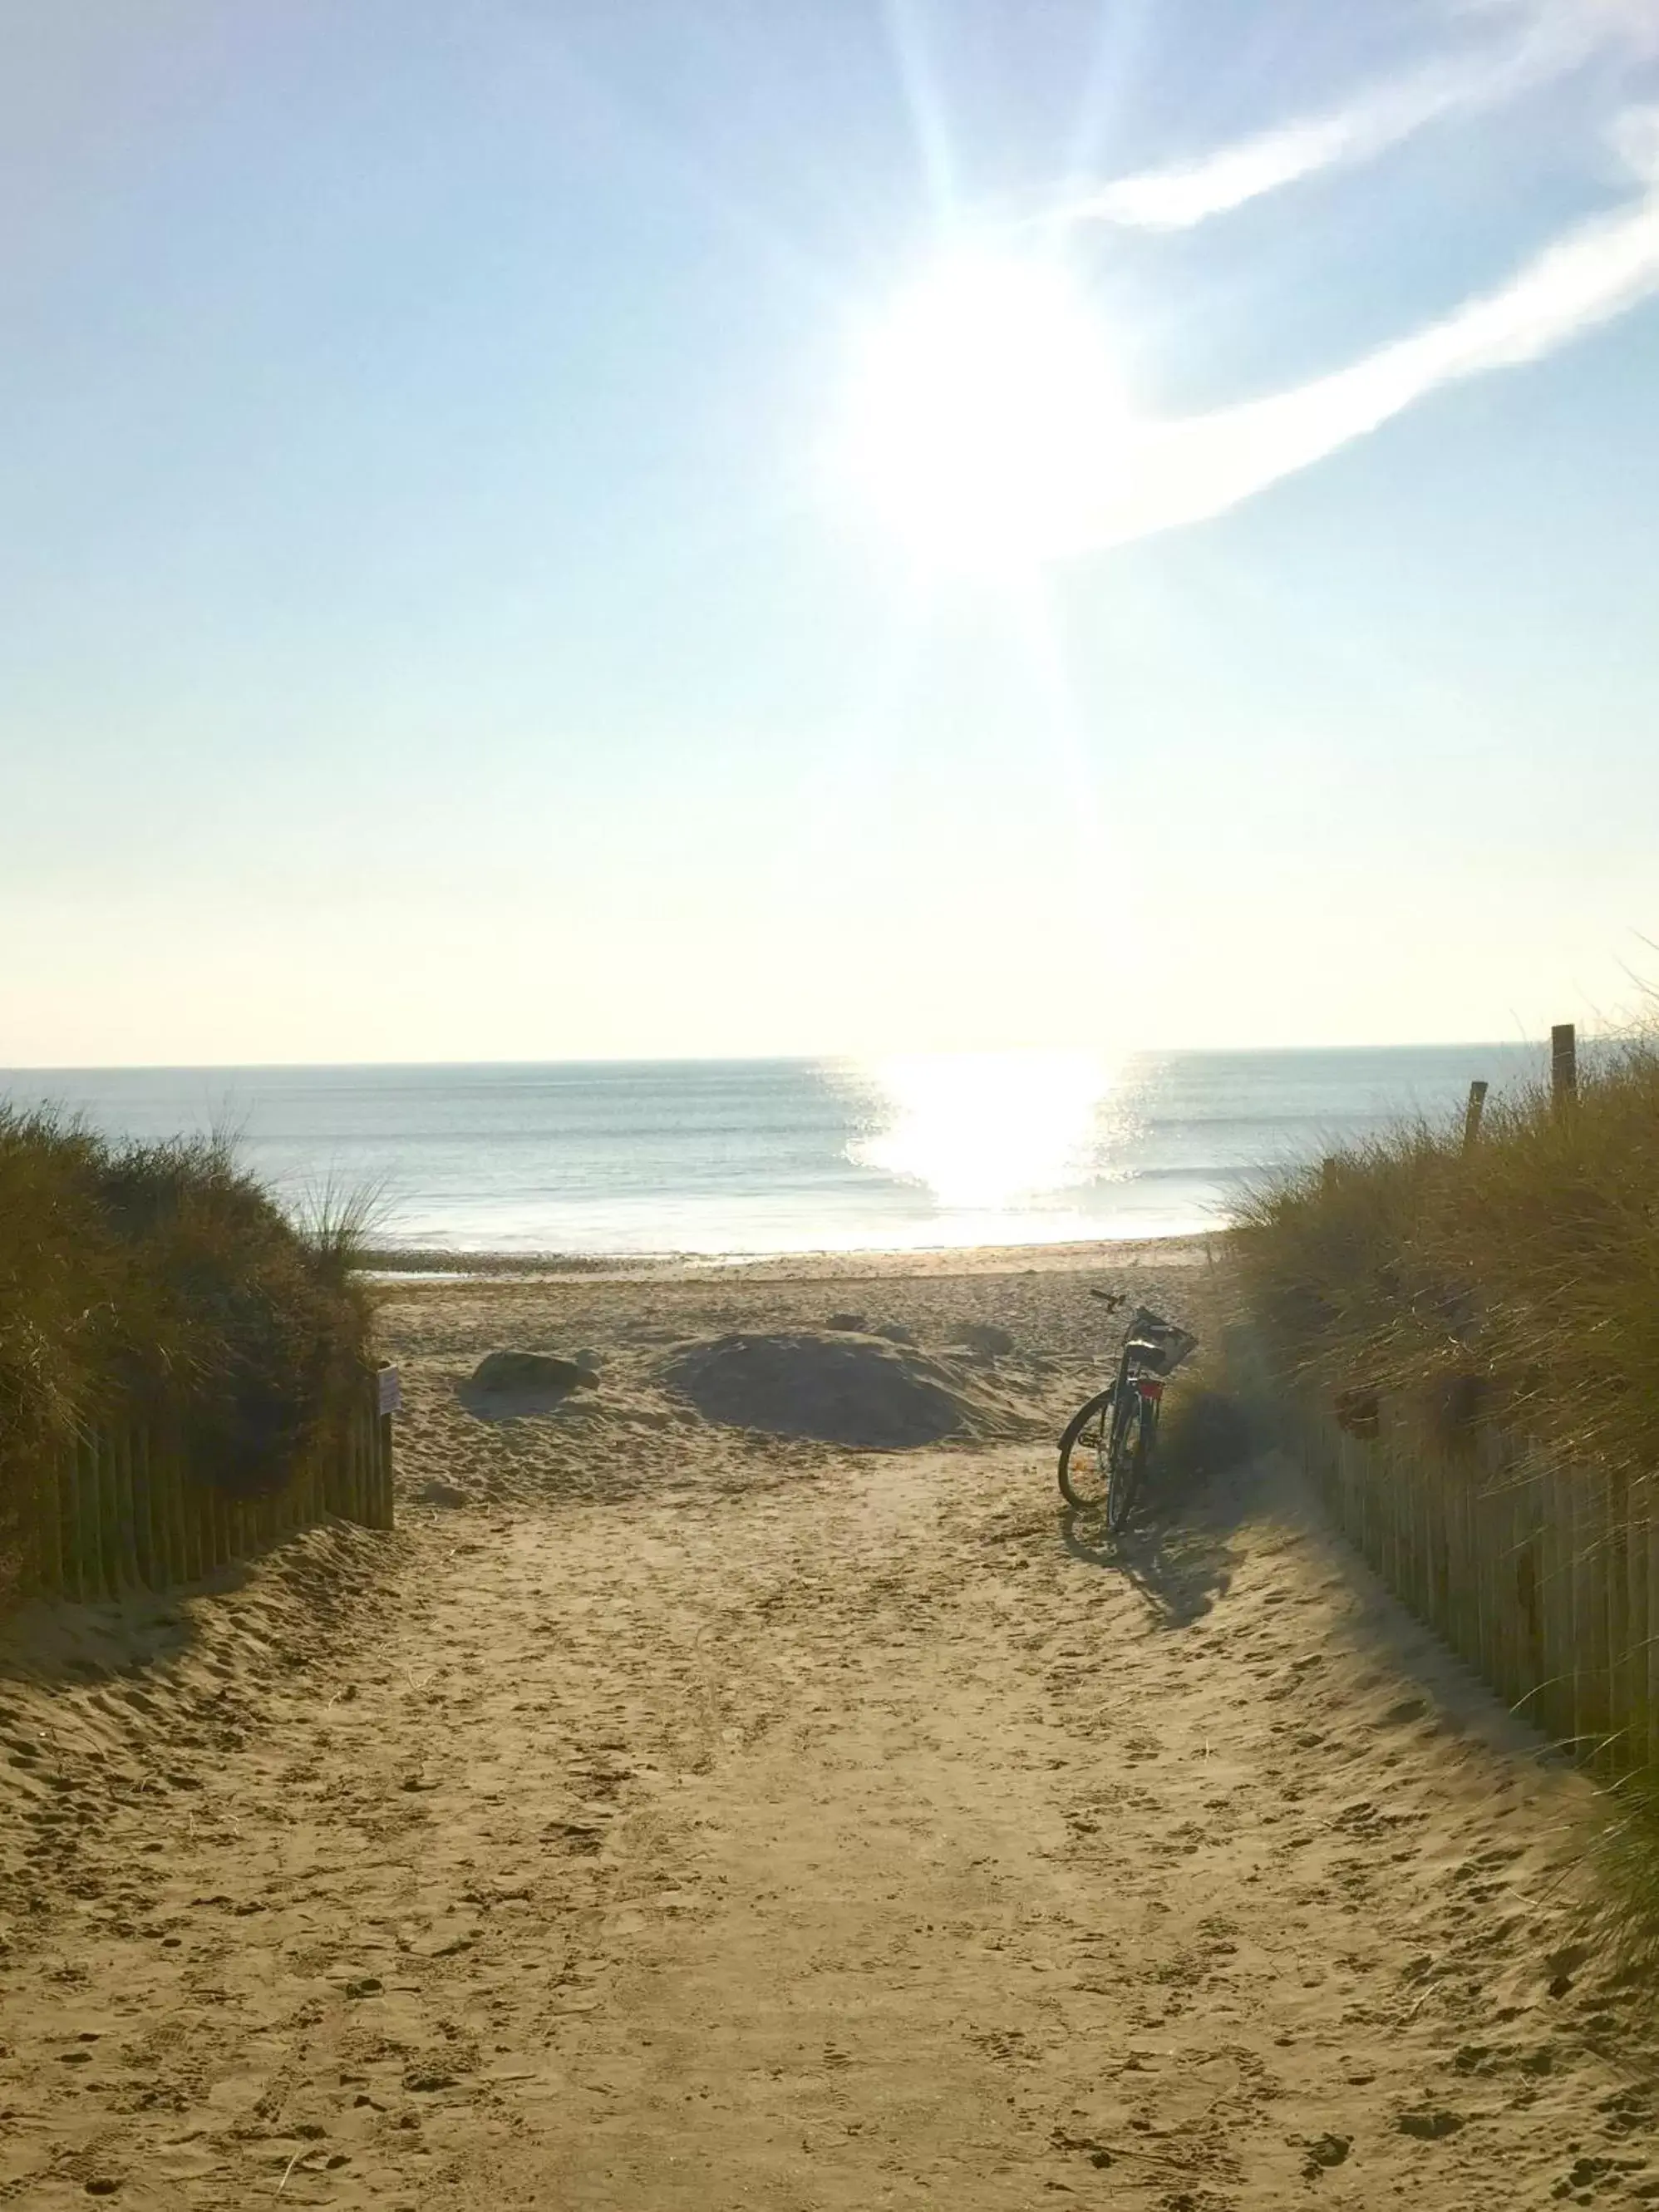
(1158, 1345)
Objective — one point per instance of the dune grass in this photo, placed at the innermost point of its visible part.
(134, 1274)
(1518, 1281)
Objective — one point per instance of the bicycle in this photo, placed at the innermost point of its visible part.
(1108, 1444)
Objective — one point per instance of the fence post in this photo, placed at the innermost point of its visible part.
(1472, 1114)
(1472, 1616)
(143, 1506)
(383, 1514)
(1483, 1543)
(348, 1506)
(1594, 1621)
(69, 1515)
(107, 1452)
(1508, 1501)
(126, 1502)
(47, 1565)
(119, 1504)
(192, 1509)
(1623, 1711)
(1564, 1063)
(218, 1525)
(170, 1503)
(1573, 1613)
(1530, 1594)
(1640, 1745)
(1442, 1588)
(360, 1434)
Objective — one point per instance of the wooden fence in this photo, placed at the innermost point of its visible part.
(122, 1509)
(1544, 1578)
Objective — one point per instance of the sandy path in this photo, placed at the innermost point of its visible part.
(792, 1828)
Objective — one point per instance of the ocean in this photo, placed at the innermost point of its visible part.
(748, 1156)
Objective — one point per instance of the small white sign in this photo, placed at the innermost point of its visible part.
(391, 1391)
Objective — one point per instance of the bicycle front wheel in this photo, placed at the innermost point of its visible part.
(1128, 1452)
(1086, 1451)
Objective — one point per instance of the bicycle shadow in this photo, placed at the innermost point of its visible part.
(1178, 1552)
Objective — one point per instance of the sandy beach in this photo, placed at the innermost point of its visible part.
(672, 1814)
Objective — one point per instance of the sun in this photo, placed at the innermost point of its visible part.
(984, 421)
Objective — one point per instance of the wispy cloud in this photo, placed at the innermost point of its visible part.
(1181, 472)
(1548, 42)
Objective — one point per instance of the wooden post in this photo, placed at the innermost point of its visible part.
(350, 1485)
(1595, 1719)
(48, 1561)
(1573, 1622)
(1639, 1743)
(218, 1522)
(1388, 1534)
(1349, 1468)
(1412, 1536)
(163, 1466)
(1564, 1063)
(383, 1514)
(1441, 1593)
(337, 1443)
(1623, 1709)
(1554, 1703)
(193, 1510)
(108, 1532)
(1472, 1114)
(1457, 1563)
(1327, 1174)
(127, 1498)
(71, 1492)
(1493, 1596)
(1535, 1589)
(1482, 1561)
(1498, 1497)
(143, 1509)
(1471, 1616)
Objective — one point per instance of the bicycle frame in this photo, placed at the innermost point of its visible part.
(1149, 1389)
(1125, 1414)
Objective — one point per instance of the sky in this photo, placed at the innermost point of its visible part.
(615, 529)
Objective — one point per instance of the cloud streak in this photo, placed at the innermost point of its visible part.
(1181, 472)
(1552, 42)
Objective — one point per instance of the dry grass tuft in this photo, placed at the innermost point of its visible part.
(135, 1273)
(1518, 1282)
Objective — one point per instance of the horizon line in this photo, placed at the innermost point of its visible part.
(772, 1059)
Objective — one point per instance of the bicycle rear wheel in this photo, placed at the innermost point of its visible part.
(1085, 1453)
(1127, 1451)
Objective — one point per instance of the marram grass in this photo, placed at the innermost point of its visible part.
(138, 1275)
(1516, 1281)
(1521, 1276)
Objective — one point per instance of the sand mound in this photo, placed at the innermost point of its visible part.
(987, 1337)
(507, 1384)
(894, 1331)
(839, 1388)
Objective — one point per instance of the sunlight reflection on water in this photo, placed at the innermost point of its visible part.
(985, 1131)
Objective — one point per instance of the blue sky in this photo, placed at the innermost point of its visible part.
(438, 625)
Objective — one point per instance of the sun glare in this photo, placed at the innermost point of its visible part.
(982, 1132)
(984, 419)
